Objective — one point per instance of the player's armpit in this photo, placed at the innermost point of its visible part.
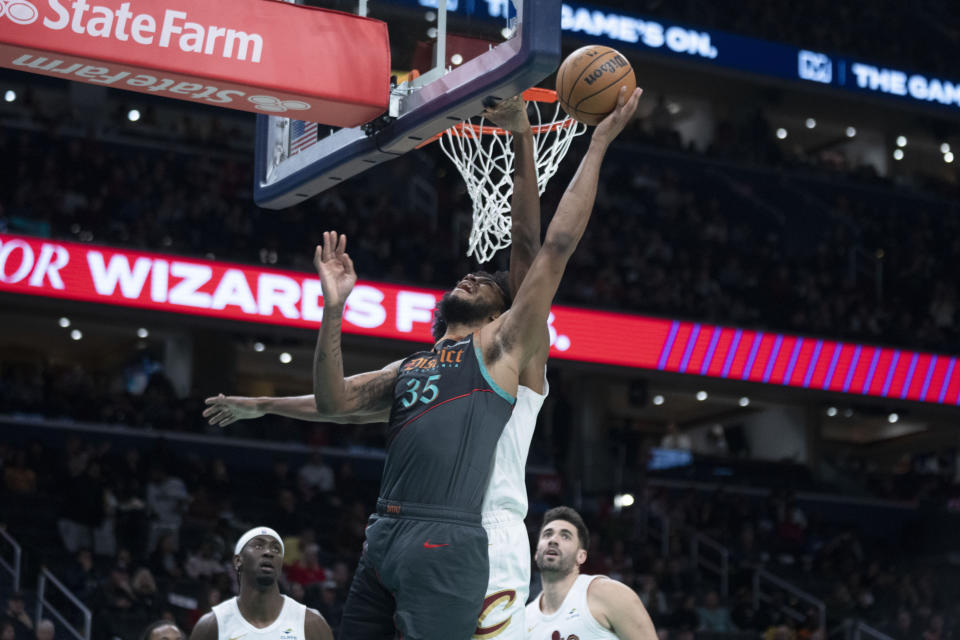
(316, 627)
(206, 628)
(618, 608)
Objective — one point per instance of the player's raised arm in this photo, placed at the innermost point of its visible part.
(367, 394)
(511, 115)
(515, 333)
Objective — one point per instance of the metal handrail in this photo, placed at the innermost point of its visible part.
(662, 535)
(45, 576)
(862, 628)
(722, 569)
(12, 568)
(790, 588)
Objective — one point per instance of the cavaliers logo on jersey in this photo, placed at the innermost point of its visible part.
(501, 599)
(558, 636)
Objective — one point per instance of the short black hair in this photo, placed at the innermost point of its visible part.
(571, 516)
(500, 278)
(153, 626)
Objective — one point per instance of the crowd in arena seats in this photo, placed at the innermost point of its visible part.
(148, 533)
(846, 27)
(673, 234)
(856, 572)
(138, 535)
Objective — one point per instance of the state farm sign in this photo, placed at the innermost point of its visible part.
(255, 55)
(90, 273)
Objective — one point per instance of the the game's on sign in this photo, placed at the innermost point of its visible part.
(263, 56)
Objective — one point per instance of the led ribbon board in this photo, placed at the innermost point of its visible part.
(726, 50)
(91, 273)
(253, 55)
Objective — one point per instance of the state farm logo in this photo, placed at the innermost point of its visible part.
(19, 11)
(170, 29)
(276, 105)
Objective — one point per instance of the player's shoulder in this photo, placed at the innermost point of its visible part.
(605, 590)
(315, 626)
(206, 628)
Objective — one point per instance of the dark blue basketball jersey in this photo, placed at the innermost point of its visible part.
(446, 419)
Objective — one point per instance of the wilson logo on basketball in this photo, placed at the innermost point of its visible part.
(500, 600)
(607, 67)
(19, 11)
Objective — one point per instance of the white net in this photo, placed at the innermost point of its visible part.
(484, 156)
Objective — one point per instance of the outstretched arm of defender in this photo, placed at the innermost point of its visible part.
(368, 394)
(515, 333)
(224, 410)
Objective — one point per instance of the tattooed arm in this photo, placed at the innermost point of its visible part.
(367, 395)
(224, 410)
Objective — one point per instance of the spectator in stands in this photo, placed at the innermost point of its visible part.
(654, 600)
(162, 630)
(317, 474)
(164, 561)
(685, 617)
(902, 626)
(675, 439)
(714, 617)
(280, 478)
(18, 478)
(81, 576)
(331, 604)
(935, 630)
(744, 615)
(148, 601)
(16, 614)
(83, 503)
(167, 500)
(294, 545)
(46, 630)
(307, 570)
(205, 562)
(288, 516)
(7, 630)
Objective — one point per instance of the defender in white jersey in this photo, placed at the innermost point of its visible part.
(573, 606)
(260, 612)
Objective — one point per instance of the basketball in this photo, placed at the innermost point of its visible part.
(589, 81)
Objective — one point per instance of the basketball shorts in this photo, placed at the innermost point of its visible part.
(504, 606)
(423, 573)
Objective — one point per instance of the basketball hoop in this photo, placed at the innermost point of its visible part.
(484, 156)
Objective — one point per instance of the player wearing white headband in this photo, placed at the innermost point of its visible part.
(260, 612)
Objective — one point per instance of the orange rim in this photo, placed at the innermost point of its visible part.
(533, 94)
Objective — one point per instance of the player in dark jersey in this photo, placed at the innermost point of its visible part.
(504, 501)
(424, 567)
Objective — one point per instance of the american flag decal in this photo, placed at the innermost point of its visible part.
(302, 135)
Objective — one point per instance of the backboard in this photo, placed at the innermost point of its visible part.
(294, 160)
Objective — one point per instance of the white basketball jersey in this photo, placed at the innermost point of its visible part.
(289, 625)
(572, 620)
(507, 489)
